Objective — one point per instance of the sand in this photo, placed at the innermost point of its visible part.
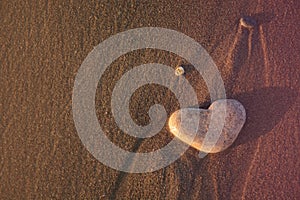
(43, 45)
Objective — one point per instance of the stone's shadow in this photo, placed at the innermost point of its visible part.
(264, 109)
(263, 17)
(259, 18)
(188, 68)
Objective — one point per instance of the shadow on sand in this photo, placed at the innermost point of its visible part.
(265, 108)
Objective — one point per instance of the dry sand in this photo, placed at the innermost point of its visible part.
(43, 45)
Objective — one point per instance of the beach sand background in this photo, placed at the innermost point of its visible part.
(43, 44)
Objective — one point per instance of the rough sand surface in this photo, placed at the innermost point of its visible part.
(43, 44)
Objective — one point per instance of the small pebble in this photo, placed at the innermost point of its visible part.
(179, 71)
(247, 22)
(183, 124)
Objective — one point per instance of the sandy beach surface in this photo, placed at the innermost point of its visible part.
(43, 44)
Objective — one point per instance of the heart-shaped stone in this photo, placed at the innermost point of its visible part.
(191, 125)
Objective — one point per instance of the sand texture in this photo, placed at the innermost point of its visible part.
(43, 44)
